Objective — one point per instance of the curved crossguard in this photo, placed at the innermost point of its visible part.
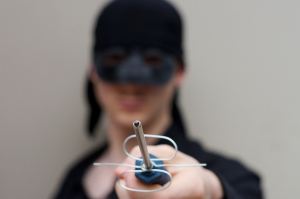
(151, 136)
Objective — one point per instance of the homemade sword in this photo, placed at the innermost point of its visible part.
(148, 176)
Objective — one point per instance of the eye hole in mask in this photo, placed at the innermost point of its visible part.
(114, 57)
(153, 57)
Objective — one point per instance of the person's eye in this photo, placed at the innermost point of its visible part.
(113, 59)
(153, 60)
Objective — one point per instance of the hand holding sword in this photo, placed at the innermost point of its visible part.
(185, 182)
(154, 179)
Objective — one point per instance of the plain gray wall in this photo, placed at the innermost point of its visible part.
(241, 95)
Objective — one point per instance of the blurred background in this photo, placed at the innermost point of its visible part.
(241, 96)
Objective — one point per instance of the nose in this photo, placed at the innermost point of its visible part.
(133, 70)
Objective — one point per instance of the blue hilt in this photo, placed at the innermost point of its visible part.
(152, 177)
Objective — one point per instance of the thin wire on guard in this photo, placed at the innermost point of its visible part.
(148, 168)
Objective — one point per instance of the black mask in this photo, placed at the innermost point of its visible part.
(139, 66)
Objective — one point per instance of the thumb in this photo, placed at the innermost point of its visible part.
(121, 192)
(120, 169)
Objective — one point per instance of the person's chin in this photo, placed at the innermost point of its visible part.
(131, 110)
(126, 118)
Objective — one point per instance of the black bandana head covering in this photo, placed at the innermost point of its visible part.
(139, 23)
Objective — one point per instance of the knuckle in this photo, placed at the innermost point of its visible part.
(166, 148)
(135, 151)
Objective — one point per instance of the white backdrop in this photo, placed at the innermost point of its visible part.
(241, 95)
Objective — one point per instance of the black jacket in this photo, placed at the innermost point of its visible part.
(238, 182)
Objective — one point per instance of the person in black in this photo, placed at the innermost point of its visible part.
(137, 68)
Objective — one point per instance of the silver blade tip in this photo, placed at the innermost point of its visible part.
(137, 123)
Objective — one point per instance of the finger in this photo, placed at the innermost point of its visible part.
(121, 169)
(121, 192)
(162, 151)
(130, 181)
(128, 161)
(193, 186)
(166, 151)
